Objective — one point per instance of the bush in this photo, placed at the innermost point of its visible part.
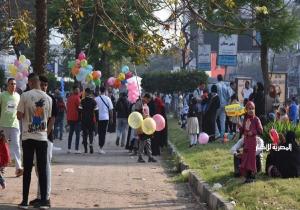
(167, 82)
(280, 128)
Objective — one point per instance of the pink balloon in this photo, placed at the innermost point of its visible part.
(81, 56)
(25, 73)
(77, 61)
(203, 138)
(17, 63)
(160, 122)
(111, 81)
(19, 76)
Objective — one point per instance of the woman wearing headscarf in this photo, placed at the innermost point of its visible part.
(160, 137)
(210, 107)
(250, 128)
(285, 163)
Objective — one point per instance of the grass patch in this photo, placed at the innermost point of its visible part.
(214, 163)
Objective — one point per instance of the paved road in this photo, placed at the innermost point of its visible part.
(111, 181)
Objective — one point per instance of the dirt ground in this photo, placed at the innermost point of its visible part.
(111, 181)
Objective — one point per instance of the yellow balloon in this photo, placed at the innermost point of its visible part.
(13, 71)
(11, 67)
(135, 120)
(148, 126)
(121, 76)
(22, 58)
(89, 77)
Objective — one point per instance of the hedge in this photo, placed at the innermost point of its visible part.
(167, 82)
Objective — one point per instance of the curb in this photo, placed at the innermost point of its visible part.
(201, 189)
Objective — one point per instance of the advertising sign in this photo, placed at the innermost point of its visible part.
(279, 80)
(240, 81)
(228, 50)
(204, 52)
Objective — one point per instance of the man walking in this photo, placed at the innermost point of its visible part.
(105, 115)
(9, 123)
(88, 111)
(34, 110)
(73, 103)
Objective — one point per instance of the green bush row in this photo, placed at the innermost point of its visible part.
(167, 82)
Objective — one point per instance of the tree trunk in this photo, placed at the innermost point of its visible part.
(41, 45)
(77, 37)
(104, 65)
(183, 57)
(265, 69)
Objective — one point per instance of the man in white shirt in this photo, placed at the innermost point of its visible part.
(237, 153)
(34, 110)
(105, 108)
(246, 92)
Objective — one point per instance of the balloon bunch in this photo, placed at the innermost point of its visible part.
(84, 72)
(121, 79)
(20, 71)
(133, 92)
(148, 125)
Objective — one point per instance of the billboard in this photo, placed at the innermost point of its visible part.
(279, 80)
(227, 55)
(204, 59)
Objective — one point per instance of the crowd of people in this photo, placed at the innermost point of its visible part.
(35, 118)
(204, 111)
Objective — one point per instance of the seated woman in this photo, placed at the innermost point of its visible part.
(284, 163)
(237, 150)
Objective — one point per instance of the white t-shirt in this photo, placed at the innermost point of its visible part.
(247, 92)
(104, 109)
(36, 106)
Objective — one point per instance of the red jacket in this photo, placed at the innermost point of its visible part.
(73, 103)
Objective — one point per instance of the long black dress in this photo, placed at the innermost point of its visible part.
(211, 105)
(112, 127)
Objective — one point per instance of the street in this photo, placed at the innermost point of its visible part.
(111, 181)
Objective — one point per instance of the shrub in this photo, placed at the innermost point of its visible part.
(280, 127)
(167, 82)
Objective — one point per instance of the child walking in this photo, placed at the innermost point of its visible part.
(192, 122)
(250, 128)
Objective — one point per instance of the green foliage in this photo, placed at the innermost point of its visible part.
(280, 127)
(166, 82)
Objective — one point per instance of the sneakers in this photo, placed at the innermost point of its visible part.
(77, 152)
(140, 160)
(91, 149)
(19, 172)
(101, 151)
(44, 204)
(34, 202)
(37, 203)
(152, 160)
(2, 182)
(23, 205)
(117, 141)
(69, 151)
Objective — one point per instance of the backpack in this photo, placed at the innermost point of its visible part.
(60, 106)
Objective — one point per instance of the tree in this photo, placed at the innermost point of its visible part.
(41, 45)
(109, 30)
(274, 21)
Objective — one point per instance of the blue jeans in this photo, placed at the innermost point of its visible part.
(74, 126)
(59, 128)
(122, 127)
(222, 117)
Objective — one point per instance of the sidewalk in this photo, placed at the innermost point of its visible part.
(111, 181)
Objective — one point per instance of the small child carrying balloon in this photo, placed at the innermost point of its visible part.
(144, 140)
